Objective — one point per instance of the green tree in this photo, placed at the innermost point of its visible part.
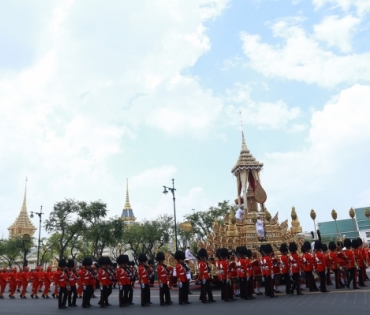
(65, 220)
(148, 236)
(100, 232)
(13, 249)
(202, 221)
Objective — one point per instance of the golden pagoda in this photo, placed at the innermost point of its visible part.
(251, 198)
(127, 212)
(22, 224)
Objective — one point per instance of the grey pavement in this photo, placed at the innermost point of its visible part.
(341, 301)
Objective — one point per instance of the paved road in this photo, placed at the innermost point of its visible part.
(336, 302)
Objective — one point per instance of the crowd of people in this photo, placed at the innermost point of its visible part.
(241, 273)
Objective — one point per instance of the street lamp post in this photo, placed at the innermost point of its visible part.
(25, 239)
(38, 245)
(172, 190)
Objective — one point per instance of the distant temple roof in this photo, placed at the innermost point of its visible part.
(246, 160)
(127, 212)
(22, 224)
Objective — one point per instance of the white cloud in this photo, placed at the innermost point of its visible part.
(332, 163)
(264, 115)
(362, 6)
(337, 32)
(99, 73)
(301, 58)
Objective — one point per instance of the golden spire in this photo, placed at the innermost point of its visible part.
(246, 160)
(127, 204)
(22, 225)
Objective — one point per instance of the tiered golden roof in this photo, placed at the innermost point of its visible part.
(22, 224)
(246, 160)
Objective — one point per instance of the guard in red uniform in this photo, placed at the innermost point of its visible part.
(257, 274)
(333, 259)
(285, 266)
(163, 276)
(123, 280)
(351, 263)
(242, 270)
(62, 283)
(181, 272)
(144, 280)
(203, 276)
(359, 261)
(48, 278)
(72, 279)
(308, 262)
(362, 263)
(324, 249)
(88, 278)
(79, 281)
(41, 278)
(13, 280)
(103, 281)
(3, 281)
(35, 282)
(267, 270)
(295, 268)
(320, 265)
(24, 279)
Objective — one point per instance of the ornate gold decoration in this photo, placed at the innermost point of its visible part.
(186, 226)
(352, 213)
(334, 214)
(293, 214)
(367, 213)
(22, 224)
(267, 215)
(232, 231)
(254, 218)
(313, 214)
(296, 225)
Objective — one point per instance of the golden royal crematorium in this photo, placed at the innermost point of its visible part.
(235, 232)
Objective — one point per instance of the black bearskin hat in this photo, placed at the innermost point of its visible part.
(340, 244)
(307, 245)
(202, 253)
(332, 246)
(87, 261)
(324, 247)
(354, 243)
(224, 252)
(160, 256)
(142, 257)
(123, 259)
(318, 245)
(150, 262)
(218, 253)
(303, 249)
(359, 240)
(179, 255)
(283, 248)
(268, 249)
(347, 243)
(70, 263)
(132, 263)
(248, 253)
(242, 251)
(102, 261)
(62, 263)
(293, 247)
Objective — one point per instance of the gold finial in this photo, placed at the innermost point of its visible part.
(313, 214)
(352, 213)
(367, 213)
(127, 204)
(293, 214)
(186, 226)
(334, 214)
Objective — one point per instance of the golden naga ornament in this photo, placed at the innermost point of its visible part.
(293, 214)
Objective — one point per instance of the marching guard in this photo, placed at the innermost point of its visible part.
(206, 295)
(144, 280)
(123, 280)
(163, 275)
(62, 283)
(181, 272)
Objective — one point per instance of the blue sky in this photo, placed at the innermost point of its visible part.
(93, 93)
